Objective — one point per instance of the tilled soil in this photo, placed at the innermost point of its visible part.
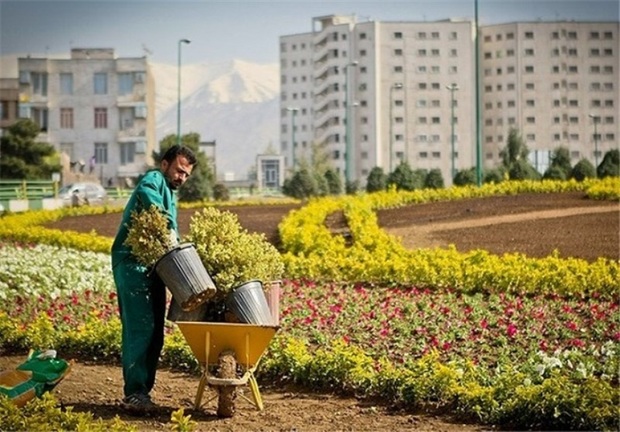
(533, 224)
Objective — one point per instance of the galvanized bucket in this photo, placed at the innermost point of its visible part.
(185, 276)
(248, 303)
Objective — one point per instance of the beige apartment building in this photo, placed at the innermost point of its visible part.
(556, 82)
(97, 109)
(376, 93)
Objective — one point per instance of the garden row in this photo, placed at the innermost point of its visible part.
(545, 337)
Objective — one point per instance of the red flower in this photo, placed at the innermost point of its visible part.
(511, 330)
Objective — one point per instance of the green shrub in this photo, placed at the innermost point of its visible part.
(230, 254)
(610, 166)
(376, 181)
(434, 179)
(582, 170)
(465, 177)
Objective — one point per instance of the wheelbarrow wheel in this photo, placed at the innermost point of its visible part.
(227, 368)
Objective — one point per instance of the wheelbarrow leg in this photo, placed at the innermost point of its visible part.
(258, 400)
(201, 389)
(203, 378)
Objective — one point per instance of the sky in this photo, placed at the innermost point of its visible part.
(236, 29)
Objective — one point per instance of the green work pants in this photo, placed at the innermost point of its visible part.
(142, 304)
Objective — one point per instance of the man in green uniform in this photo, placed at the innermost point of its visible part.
(142, 295)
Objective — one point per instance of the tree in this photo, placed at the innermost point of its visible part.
(402, 177)
(514, 158)
(334, 183)
(434, 179)
(465, 177)
(301, 185)
(376, 181)
(560, 166)
(582, 170)
(610, 166)
(25, 158)
(200, 184)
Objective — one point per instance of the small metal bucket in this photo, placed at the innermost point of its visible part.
(248, 303)
(185, 276)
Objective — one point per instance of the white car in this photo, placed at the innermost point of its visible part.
(83, 193)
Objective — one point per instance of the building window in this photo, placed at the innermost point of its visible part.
(453, 35)
(529, 35)
(434, 69)
(423, 155)
(101, 118)
(101, 83)
(398, 69)
(529, 69)
(66, 83)
(66, 118)
(128, 151)
(125, 83)
(101, 153)
(453, 53)
(39, 83)
(398, 52)
(398, 35)
(39, 115)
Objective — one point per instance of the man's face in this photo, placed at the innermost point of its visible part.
(177, 171)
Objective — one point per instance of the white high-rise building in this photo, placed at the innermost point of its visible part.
(407, 91)
(97, 109)
(552, 81)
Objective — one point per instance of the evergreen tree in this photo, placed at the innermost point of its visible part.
(434, 179)
(301, 185)
(334, 183)
(514, 158)
(465, 177)
(582, 170)
(402, 177)
(560, 166)
(376, 181)
(24, 158)
(610, 166)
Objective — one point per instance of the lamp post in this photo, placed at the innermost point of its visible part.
(478, 117)
(293, 112)
(595, 120)
(347, 136)
(394, 86)
(181, 41)
(453, 87)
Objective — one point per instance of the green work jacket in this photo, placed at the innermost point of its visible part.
(153, 189)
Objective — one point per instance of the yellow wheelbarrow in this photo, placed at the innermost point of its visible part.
(233, 350)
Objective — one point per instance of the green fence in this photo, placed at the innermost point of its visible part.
(28, 189)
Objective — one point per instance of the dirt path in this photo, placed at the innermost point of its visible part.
(97, 389)
(434, 235)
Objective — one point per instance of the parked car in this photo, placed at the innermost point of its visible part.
(83, 193)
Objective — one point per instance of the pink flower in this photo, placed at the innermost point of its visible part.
(511, 330)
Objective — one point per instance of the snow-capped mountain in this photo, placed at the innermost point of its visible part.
(233, 103)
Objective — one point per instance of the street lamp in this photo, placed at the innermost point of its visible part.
(293, 112)
(347, 115)
(394, 86)
(452, 87)
(181, 41)
(595, 120)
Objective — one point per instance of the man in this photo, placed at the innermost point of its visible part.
(142, 295)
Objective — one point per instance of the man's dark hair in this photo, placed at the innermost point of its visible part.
(179, 150)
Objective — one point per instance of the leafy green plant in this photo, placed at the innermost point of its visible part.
(148, 235)
(230, 253)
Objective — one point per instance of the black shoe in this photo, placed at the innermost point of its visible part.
(139, 404)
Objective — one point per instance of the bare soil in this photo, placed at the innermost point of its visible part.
(533, 224)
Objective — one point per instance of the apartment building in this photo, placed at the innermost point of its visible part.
(97, 109)
(9, 99)
(377, 93)
(556, 82)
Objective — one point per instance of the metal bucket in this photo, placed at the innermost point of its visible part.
(185, 276)
(248, 303)
(176, 313)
